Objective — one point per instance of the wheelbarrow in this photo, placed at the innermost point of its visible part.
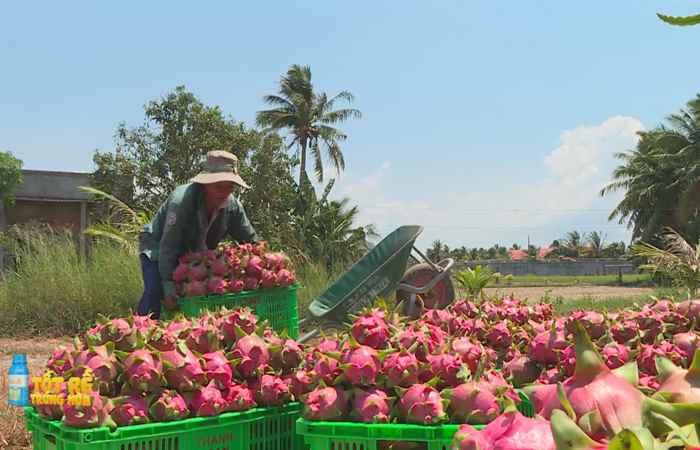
(381, 271)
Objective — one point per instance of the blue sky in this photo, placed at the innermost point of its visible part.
(485, 122)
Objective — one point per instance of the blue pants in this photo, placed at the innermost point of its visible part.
(152, 288)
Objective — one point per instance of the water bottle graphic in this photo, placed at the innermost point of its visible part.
(18, 392)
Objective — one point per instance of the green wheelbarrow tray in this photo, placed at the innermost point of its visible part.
(379, 272)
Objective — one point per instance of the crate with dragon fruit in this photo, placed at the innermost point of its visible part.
(238, 275)
(224, 381)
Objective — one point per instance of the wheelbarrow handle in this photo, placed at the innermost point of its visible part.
(445, 265)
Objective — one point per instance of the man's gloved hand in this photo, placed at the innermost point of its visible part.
(169, 302)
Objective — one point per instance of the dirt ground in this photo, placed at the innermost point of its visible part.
(536, 293)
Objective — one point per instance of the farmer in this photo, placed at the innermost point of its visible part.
(195, 217)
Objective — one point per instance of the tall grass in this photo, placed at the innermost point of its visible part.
(51, 290)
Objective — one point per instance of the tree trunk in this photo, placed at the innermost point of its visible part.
(302, 165)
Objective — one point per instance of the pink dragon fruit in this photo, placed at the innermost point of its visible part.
(552, 375)
(468, 438)
(168, 407)
(120, 332)
(690, 309)
(646, 359)
(239, 397)
(371, 329)
(195, 289)
(204, 337)
(687, 343)
(448, 367)
(438, 317)
(287, 356)
(567, 360)
(182, 370)
(250, 355)
(143, 371)
(272, 391)
(593, 322)
(510, 431)
(61, 361)
(103, 365)
(197, 272)
(499, 336)
(371, 406)
(470, 351)
(218, 267)
(275, 261)
(93, 416)
(422, 404)
(360, 365)
(251, 283)
(521, 370)
(615, 355)
(300, 382)
(255, 267)
(326, 369)
(236, 286)
(679, 385)
(428, 339)
(284, 278)
(217, 285)
(207, 401)
(217, 369)
(615, 403)
(130, 411)
(546, 345)
(625, 331)
(649, 382)
(465, 308)
(330, 403)
(472, 403)
(181, 273)
(268, 279)
(401, 369)
(242, 318)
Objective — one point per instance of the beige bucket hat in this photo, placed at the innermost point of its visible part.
(220, 166)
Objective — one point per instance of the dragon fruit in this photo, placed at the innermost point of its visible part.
(250, 355)
(465, 308)
(472, 403)
(207, 401)
(182, 370)
(217, 368)
(625, 331)
(687, 343)
(470, 351)
(422, 404)
(218, 267)
(300, 382)
(326, 369)
(510, 431)
(467, 438)
(545, 346)
(284, 278)
(646, 359)
(567, 360)
(61, 361)
(101, 361)
(521, 370)
(251, 283)
(679, 385)
(143, 371)
(93, 416)
(593, 322)
(499, 336)
(181, 273)
(242, 318)
(272, 391)
(427, 338)
(275, 261)
(130, 411)
(371, 329)
(439, 317)
(449, 368)
(236, 286)
(120, 332)
(268, 279)
(217, 285)
(690, 309)
(205, 337)
(329, 403)
(401, 369)
(255, 267)
(197, 272)
(600, 398)
(239, 397)
(371, 405)
(286, 356)
(360, 365)
(169, 406)
(615, 355)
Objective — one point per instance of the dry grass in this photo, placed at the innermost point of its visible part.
(13, 432)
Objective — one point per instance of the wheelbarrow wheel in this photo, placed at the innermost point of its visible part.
(439, 297)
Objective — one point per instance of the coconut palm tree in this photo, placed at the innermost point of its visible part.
(677, 260)
(680, 20)
(308, 116)
(595, 243)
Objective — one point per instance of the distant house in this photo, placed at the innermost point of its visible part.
(52, 198)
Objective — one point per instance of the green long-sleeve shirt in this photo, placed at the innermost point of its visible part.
(180, 225)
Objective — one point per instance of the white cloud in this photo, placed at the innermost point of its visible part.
(565, 190)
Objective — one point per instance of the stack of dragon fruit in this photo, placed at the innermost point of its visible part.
(231, 269)
(146, 371)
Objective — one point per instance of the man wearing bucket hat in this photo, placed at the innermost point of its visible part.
(195, 217)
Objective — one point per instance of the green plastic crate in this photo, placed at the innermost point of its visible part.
(278, 306)
(256, 429)
(364, 436)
